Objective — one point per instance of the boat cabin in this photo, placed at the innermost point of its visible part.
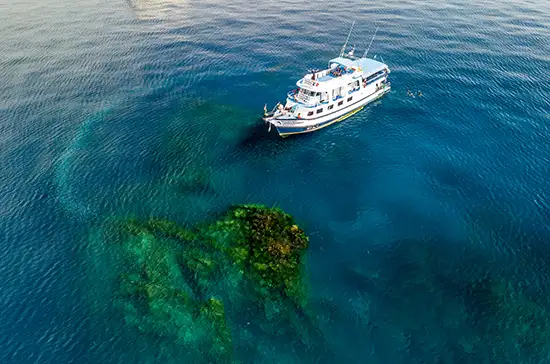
(323, 90)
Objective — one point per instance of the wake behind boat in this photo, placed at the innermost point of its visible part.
(331, 95)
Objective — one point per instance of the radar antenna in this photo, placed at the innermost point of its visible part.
(346, 43)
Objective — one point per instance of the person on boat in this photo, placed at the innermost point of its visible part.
(299, 116)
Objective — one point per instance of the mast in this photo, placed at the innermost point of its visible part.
(346, 43)
(367, 51)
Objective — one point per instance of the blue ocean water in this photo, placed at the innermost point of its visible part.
(116, 108)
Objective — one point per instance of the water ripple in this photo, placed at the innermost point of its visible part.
(148, 107)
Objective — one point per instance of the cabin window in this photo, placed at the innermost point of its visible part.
(319, 110)
(350, 98)
(340, 103)
(310, 113)
(308, 92)
(375, 75)
(330, 107)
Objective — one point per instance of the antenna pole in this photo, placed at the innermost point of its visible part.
(367, 51)
(346, 43)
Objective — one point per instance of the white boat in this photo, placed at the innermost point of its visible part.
(331, 95)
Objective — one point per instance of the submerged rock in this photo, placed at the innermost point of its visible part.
(178, 283)
(267, 246)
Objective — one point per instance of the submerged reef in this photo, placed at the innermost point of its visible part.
(180, 283)
(421, 294)
(509, 319)
(267, 246)
(234, 290)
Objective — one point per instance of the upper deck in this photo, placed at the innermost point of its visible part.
(366, 65)
(340, 71)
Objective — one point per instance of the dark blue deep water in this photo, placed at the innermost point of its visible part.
(428, 217)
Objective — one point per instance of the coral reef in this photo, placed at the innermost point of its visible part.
(508, 319)
(178, 283)
(420, 293)
(156, 298)
(267, 246)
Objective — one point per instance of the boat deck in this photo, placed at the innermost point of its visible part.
(325, 78)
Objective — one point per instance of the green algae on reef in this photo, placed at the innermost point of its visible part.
(179, 282)
(267, 245)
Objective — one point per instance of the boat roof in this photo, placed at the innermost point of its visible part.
(368, 65)
(356, 68)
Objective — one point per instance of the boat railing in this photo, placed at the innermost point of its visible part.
(308, 82)
(300, 97)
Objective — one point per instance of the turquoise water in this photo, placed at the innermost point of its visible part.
(428, 217)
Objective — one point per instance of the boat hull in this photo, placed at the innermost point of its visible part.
(309, 126)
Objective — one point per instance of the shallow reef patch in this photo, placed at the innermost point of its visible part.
(186, 285)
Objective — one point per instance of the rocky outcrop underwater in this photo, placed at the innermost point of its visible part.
(191, 285)
(235, 290)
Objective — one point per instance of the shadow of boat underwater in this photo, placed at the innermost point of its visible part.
(257, 133)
